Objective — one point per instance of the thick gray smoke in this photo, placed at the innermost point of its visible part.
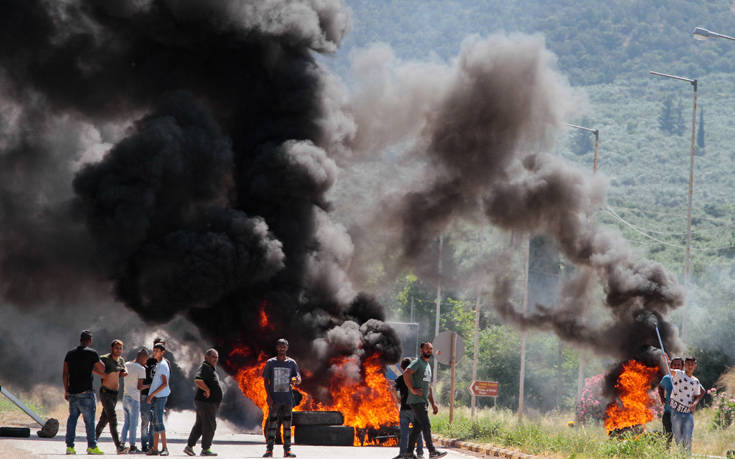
(176, 153)
(487, 133)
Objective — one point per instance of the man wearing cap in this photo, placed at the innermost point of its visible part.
(280, 374)
(79, 364)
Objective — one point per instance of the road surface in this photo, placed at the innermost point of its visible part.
(228, 443)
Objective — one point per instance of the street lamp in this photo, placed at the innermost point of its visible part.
(596, 132)
(691, 185)
(700, 33)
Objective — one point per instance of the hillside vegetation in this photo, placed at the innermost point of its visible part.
(606, 49)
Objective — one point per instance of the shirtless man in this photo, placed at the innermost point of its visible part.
(114, 370)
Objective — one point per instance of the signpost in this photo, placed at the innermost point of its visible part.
(484, 389)
(449, 349)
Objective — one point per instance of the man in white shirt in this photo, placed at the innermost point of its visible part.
(131, 398)
(685, 395)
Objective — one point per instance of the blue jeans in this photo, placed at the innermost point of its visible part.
(158, 404)
(146, 415)
(406, 418)
(131, 408)
(682, 425)
(86, 405)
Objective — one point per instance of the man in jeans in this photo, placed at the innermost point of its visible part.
(131, 398)
(406, 416)
(206, 403)
(280, 374)
(146, 409)
(79, 364)
(664, 392)
(684, 397)
(418, 380)
(114, 370)
(159, 392)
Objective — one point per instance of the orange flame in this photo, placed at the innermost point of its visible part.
(263, 317)
(366, 403)
(633, 385)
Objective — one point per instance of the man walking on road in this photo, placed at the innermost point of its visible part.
(206, 403)
(406, 416)
(114, 370)
(280, 374)
(418, 380)
(79, 364)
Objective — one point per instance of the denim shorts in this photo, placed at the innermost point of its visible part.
(158, 404)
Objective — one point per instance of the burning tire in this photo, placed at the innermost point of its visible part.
(15, 432)
(318, 418)
(324, 435)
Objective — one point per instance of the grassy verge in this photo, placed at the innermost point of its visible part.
(549, 435)
(6, 406)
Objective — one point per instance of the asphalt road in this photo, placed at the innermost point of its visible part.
(228, 443)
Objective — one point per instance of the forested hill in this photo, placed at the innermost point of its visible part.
(596, 41)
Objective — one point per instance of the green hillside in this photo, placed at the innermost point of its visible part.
(606, 50)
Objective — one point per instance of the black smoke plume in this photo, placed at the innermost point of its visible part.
(487, 137)
(200, 190)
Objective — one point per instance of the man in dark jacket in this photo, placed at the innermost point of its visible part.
(206, 403)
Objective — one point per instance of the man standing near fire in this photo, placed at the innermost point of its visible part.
(206, 403)
(406, 416)
(664, 392)
(280, 374)
(114, 370)
(79, 364)
(684, 397)
(418, 379)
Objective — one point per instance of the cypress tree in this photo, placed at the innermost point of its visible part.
(700, 133)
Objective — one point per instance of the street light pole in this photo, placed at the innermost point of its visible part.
(700, 33)
(582, 355)
(596, 132)
(687, 260)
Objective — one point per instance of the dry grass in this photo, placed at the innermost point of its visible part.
(549, 435)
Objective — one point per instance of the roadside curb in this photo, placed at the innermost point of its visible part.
(478, 448)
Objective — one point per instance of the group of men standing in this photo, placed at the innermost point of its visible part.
(680, 391)
(146, 390)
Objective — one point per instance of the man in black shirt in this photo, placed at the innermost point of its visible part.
(406, 416)
(79, 364)
(146, 409)
(206, 402)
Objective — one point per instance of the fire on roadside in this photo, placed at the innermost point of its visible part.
(366, 404)
(634, 406)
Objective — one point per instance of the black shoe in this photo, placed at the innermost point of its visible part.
(151, 452)
(189, 451)
(268, 453)
(288, 454)
(437, 453)
(134, 450)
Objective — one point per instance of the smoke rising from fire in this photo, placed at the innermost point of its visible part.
(180, 153)
(487, 134)
(203, 191)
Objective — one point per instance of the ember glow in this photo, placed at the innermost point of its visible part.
(634, 406)
(365, 404)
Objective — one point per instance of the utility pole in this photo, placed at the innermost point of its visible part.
(477, 342)
(438, 304)
(522, 378)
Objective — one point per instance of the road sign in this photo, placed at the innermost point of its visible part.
(443, 348)
(483, 388)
